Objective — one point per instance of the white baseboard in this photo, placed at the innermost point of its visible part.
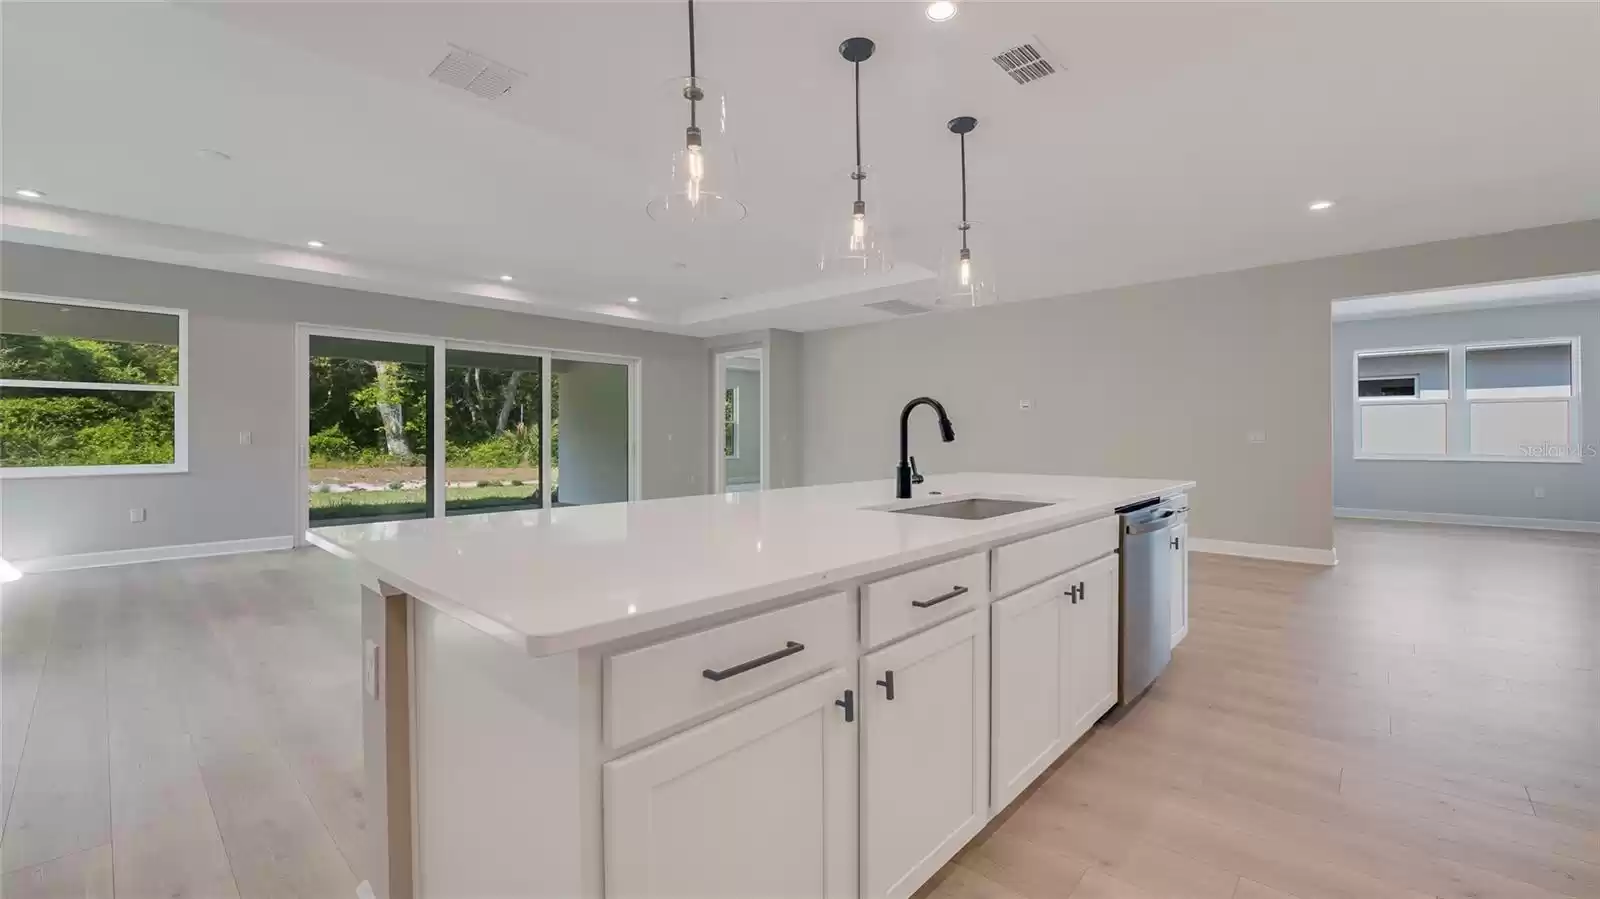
(1481, 521)
(1302, 554)
(153, 554)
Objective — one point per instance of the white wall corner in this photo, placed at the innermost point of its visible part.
(1303, 554)
(153, 554)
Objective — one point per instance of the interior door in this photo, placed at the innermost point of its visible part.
(1092, 647)
(925, 776)
(759, 802)
(1027, 687)
(1179, 546)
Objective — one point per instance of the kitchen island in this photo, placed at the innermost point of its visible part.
(812, 692)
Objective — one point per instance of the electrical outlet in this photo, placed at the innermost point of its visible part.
(1024, 405)
(136, 515)
(1538, 493)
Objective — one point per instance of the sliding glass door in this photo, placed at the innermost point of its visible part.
(369, 430)
(591, 439)
(401, 427)
(494, 420)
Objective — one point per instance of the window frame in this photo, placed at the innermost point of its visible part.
(1416, 385)
(731, 402)
(179, 391)
(1458, 407)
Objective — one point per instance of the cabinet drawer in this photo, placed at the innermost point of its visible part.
(651, 689)
(1017, 565)
(896, 606)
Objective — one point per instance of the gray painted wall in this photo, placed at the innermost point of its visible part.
(241, 356)
(784, 379)
(593, 429)
(746, 469)
(1160, 380)
(1505, 489)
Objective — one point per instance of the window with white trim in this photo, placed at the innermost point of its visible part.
(89, 387)
(730, 423)
(1394, 421)
(1504, 401)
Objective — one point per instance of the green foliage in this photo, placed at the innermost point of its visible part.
(85, 360)
(46, 428)
(330, 443)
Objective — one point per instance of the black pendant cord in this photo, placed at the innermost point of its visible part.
(693, 71)
(860, 175)
(964, 224)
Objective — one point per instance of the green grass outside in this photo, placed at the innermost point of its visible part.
(373, 503)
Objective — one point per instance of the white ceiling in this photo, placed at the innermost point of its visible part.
(1181, 138)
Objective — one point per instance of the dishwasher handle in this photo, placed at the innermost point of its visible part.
(1171, 518)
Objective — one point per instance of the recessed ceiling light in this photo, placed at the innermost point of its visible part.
(31, 194)
(315, 244)
(505, 277)
(633, 299)
(941, 10)
(1320, 205)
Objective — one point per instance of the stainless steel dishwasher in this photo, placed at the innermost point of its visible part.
(1150, 572)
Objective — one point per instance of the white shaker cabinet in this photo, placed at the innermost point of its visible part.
(1029, 686)
(1091, 664)
(1179, 546)
(1055, 671)
(758, 802)
(925, 764)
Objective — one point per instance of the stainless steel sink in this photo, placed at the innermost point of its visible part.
(972, 508)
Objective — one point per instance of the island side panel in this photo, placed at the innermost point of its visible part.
(386, 739)
(499, 766)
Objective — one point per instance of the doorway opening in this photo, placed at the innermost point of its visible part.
(739, 438)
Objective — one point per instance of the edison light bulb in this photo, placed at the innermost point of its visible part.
(694, 165)
(858, 230)
(966, 272)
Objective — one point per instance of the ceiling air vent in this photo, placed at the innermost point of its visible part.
(1025, 62)
(475, 74)
(898, 307)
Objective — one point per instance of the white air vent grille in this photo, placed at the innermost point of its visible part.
(898, 307)
(475, 74)
(1025, 62)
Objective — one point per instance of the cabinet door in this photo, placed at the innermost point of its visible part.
(758, 802)
(1179, 546)
(925, 762)
(1092, 643)
(1028, 633)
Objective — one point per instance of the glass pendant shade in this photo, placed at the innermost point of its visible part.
(966, 276)
(854, 241)
(700, 166)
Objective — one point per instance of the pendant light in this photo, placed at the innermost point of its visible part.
(703, 164)
(961, 282)
(858, 247)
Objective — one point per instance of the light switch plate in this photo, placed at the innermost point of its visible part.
(245, 438)
(369, 669)
(1256, 436)
(1024, 405)
(1538, 493)
(136, 515)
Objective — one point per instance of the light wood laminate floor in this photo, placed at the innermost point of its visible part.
(1422, 720)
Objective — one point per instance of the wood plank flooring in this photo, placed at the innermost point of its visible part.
(1422, 720)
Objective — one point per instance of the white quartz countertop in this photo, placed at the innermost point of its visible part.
(556, 580)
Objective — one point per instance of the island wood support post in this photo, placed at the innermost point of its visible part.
(386, 738)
